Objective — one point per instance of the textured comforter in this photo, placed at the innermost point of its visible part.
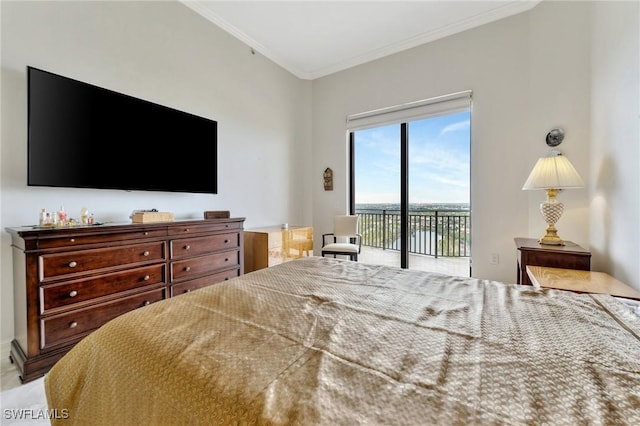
(320, 341)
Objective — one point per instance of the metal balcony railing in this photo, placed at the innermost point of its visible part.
(432, 233)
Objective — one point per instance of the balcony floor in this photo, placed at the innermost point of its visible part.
(458, 266)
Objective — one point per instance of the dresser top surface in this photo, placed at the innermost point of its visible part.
(112, 226)
(533, 244)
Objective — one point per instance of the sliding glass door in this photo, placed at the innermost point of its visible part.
(410, 184)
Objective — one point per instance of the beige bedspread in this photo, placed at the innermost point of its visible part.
(331, 342)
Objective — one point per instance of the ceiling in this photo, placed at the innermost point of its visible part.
(312, 39)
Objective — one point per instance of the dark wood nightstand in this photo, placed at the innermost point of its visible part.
(531, 252)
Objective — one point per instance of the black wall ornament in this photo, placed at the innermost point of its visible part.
(555, 137)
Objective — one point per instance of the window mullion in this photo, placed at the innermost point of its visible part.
(404, 195)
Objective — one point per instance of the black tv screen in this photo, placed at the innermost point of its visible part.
(84, 136)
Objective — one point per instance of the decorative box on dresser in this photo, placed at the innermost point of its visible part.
(531, 252)
(69, 281)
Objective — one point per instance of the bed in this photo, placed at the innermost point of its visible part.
(320, 341)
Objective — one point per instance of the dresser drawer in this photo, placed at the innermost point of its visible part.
(66, 328)
(69, 264)
(203, 265)
(553, 260)
(187, 286)
(70, 293)
(199, 227)
(71, 239)
(187, 247)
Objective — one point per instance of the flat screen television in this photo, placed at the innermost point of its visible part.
(85, 136)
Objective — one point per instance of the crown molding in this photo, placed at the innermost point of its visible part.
(500, 12)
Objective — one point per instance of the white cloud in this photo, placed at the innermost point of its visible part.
(461, 125)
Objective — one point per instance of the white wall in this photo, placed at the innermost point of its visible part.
(614, 178)
(529, 73)
(166, 53)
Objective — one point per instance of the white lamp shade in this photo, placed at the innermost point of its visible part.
(553, 172)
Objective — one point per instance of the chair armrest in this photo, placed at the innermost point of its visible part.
(326, 235)
(356, 239)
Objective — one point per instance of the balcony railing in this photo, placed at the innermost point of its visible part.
(432, 233)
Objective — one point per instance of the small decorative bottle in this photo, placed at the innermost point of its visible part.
(62, 217)
(43, 217)
(84, 215)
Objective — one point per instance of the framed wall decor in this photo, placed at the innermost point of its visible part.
(328, 179)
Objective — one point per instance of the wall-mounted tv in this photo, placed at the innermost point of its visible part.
(84, 136)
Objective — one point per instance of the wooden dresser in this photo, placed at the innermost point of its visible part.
(70, 281)
(271, 245)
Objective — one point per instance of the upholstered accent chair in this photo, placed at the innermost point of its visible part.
(345, 239)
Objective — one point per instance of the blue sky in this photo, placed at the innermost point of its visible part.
(439, 161)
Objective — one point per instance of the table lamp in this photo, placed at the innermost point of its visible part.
(553, 173)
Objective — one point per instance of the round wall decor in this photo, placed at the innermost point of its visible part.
(555, 137)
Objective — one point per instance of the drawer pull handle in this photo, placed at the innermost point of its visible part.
(188, 290)
(187, 247)
(146, 277)
(73, 325)
(186, 229)
(226, 259)
(73, 293)
(146, 253)
(226, 279)
(146, 233)
(187, 268)
(73, 264)
(146, 302)
(73, 240)
(226, 241)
